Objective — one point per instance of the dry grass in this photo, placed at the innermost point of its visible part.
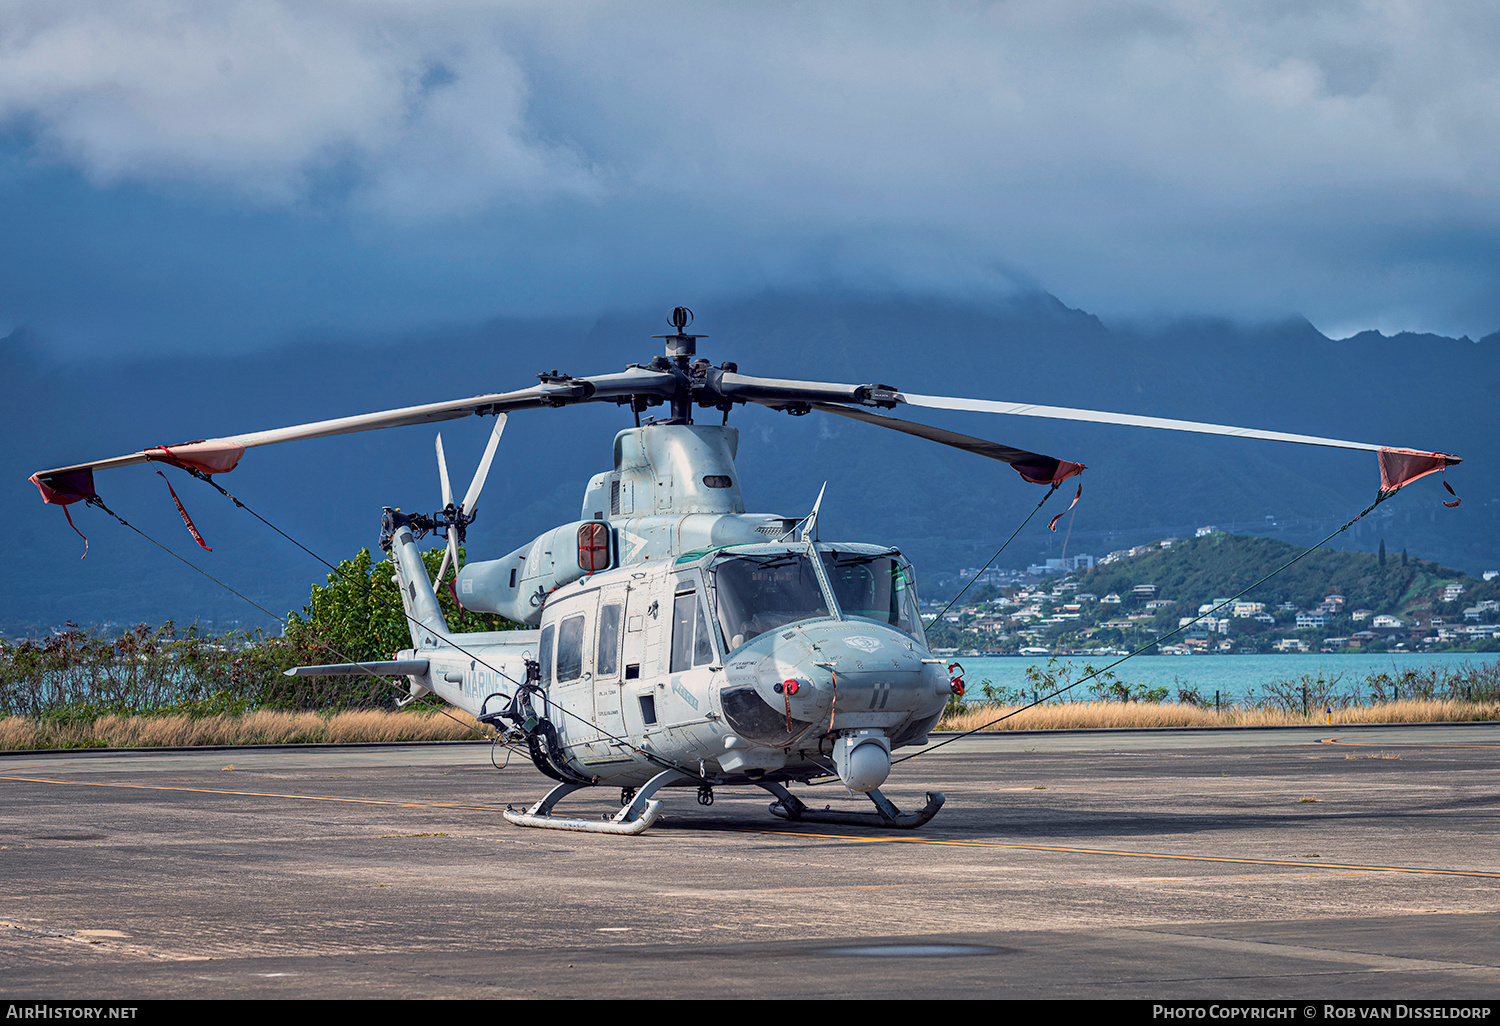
(1093, 715)
(254, 728)
(271, 728)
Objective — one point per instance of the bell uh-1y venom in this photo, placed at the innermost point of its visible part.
(673, 639)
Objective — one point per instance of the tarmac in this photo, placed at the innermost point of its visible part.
(1335, 863)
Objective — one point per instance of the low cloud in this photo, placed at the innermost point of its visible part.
(1135, 158)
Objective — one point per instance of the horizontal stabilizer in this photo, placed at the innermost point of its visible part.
(386, 668)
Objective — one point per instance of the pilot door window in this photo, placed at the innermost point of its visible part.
(607, 662)
(544, 653)
(691, 642)
(570, 649)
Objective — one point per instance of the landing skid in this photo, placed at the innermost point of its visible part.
(644, 810)
(634, 818)
(787, 806)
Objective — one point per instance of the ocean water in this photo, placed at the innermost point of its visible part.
(1230, 675)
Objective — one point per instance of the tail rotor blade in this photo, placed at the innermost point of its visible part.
(471, 498)
(443, 473)
(450, 556)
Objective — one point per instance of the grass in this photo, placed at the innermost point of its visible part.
(262, 727)
(1094, 715)
(278, 728)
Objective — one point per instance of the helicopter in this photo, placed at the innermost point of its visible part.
(668, 637)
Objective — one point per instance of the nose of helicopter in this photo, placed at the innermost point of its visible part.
(876, 672)
(809, 679)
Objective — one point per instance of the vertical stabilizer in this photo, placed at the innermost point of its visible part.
(417, 596)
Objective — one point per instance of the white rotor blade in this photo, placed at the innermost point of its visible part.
(220, 455)
(443, 472)
(940, 402)
(449, 553)
(447, 501)
(471, 498)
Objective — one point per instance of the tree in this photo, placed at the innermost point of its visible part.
(358, 617)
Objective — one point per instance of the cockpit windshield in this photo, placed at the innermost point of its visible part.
(878, 587)
(756, 594)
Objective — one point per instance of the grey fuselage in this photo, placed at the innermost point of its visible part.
(671, 627)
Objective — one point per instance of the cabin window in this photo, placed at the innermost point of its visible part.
(570, 649)
(607, 662)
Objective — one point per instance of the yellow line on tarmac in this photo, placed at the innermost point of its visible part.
(260, 794)
(1058, 849)
(1290, 863)
(1394, 744)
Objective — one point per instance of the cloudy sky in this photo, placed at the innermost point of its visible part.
(182, 174)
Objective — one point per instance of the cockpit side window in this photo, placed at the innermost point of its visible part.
(692, 645)
(878, 587)
(703, 648)
(544, 653)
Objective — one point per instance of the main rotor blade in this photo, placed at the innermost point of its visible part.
(1032, 466)
(220, 455)
(779, 392)
(942, 402)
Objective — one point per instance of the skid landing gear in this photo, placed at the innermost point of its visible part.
(636, 817)
(787, 806)
(642, 810)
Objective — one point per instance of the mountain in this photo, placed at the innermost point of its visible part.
(946, 509)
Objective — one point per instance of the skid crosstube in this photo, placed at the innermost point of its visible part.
(789, 807)
(634, 818)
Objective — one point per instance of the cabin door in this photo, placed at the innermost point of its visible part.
(609, 665)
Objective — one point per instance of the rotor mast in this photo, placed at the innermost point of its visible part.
(681, 348)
